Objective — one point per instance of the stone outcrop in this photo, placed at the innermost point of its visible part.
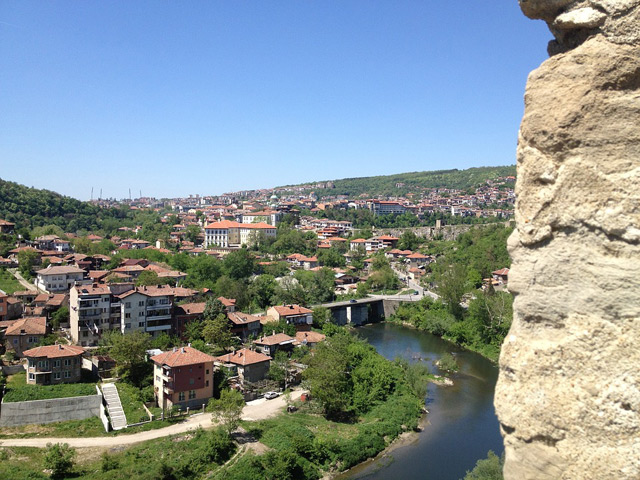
(568, 396)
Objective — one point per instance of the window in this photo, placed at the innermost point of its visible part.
(15, 341)
(67, 374)
(140, 324)
(127, 315)
(207, 371)
(192, 394)
(56, 363)
(67, 362)
(32, 376)
(206, 383)
(56, 376)
(181, 397)
(141, 303)
(85, 333)
(127, 305)
(141, 314)
(191, 381)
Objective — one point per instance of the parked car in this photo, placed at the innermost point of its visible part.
(270, 395)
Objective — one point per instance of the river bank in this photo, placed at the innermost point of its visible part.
(461, 425)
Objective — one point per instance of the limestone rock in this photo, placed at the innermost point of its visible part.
(580, 18)
(568, 396)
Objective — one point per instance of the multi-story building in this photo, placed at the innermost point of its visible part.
(93, 310)
(147, 309)
(182, 377)
(227, 233)
(97, 308)
(58, 279)
(54, 364)
(385, 207)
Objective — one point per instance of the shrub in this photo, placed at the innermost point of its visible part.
(59, 458)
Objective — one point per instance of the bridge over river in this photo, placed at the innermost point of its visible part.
(370, 309)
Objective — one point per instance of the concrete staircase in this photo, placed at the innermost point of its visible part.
(114, 407)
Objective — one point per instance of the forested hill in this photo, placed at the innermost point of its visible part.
(391, 185)
(33, 207)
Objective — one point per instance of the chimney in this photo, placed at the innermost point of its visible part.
(59, 347)
(175, 349)
(183, 350)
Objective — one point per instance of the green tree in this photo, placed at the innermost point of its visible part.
(331, 257)
(149, 277)
(216, 329)
(278, 368)
(129, 352)
(409, 241)
(26, 260)
(262, 290)
(227, 410)
(192, 232)
(451, 287)
(447, 363)
(328, 376)
(59, 316)
(59, 458)
(239, 264)
(489, 468)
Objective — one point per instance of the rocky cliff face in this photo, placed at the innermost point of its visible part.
(568, 396)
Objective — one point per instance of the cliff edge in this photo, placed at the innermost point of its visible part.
(568, 395)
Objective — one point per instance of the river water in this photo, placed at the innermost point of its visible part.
(461, 425)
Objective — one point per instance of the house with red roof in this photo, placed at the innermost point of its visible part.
(24, 334)
(53, 364)
(300, 317)
(250, 366)
(183, 377)
(270, 344)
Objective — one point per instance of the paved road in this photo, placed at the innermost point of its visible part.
(255, 410)
(23, 282)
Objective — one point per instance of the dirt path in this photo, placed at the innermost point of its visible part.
(255, 410)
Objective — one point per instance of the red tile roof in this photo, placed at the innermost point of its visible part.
(28, 326)
(243, 357)
(55, 351)
(275, 339)
(181, 356)
(284, 310)
(310, 337)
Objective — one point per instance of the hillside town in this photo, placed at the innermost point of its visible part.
(209, 295)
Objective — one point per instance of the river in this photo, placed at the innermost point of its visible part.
(461, 425)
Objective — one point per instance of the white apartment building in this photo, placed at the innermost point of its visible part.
(228, 233)
(58, 279)
(147, 309)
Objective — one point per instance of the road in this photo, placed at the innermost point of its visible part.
(23, 282)
(255, 410)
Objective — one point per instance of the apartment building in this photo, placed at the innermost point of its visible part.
(58, 279)
(95, 309)
(228, 233)
(182, 377)
(147, 309)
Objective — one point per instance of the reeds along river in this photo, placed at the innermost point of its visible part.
(461, 425)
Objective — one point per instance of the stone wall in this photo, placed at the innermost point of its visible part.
(13, 414)
(568, 395)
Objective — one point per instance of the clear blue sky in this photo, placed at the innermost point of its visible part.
(174, 98)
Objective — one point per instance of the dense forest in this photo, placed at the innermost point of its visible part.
(33, 207)
(387, 185)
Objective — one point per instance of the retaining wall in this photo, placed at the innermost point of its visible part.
(13, 414)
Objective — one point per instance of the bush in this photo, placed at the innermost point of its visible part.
(59, 459)
(448, 363)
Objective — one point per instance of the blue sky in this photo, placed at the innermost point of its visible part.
(178, 98)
